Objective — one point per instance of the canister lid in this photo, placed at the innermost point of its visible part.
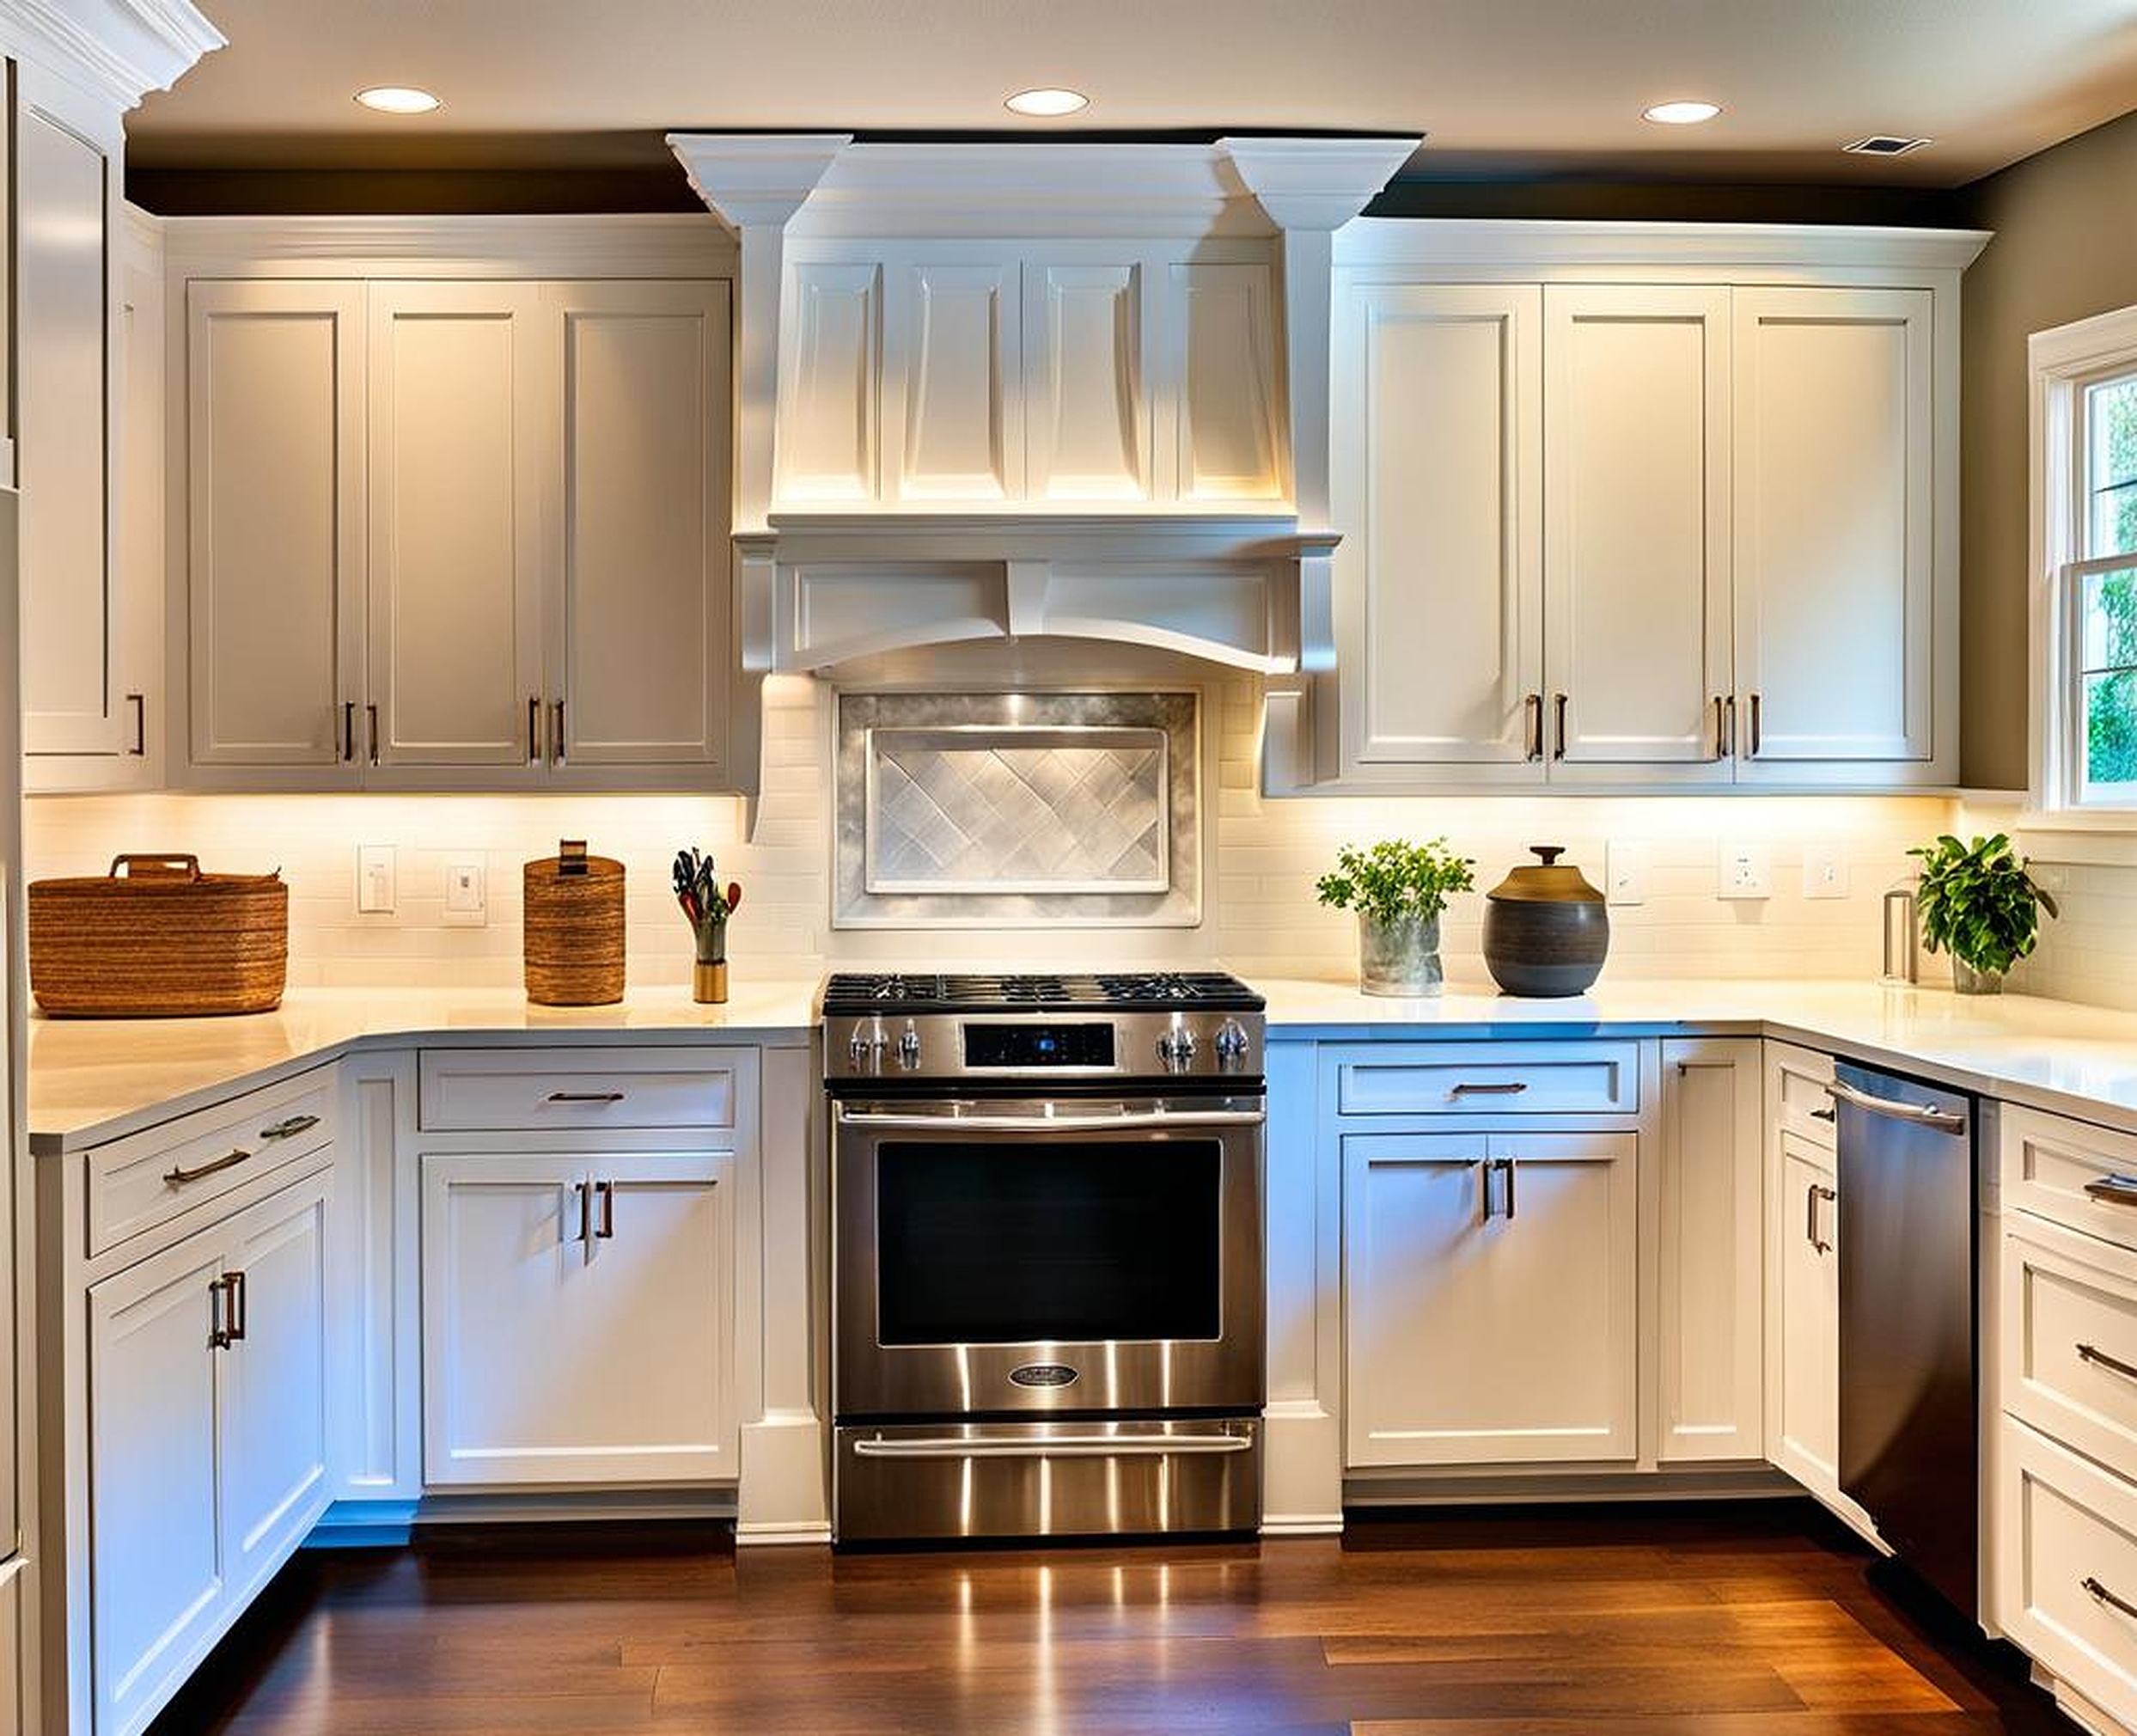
(1546, 882)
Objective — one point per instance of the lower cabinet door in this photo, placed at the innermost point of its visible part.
(156, 1567)
(578, 1319)
(1490, 1294)
(1806, 1421)
(274, 1442)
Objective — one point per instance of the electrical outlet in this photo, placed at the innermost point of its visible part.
(1746, 871)
(1625, 872)
(1824, 870)
(375, 879)
(467, 895)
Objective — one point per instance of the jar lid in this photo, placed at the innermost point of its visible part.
(1545, 882)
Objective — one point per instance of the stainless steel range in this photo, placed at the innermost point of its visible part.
(1046, 1254)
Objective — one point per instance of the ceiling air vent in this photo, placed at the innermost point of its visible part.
(1885, 144)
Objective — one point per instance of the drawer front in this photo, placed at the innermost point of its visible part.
(1468, 1078)
(1796, 1079)
(570, 1089)
(2068, 1313)
(2046, 1163)
(136, 1183)
(2067, 1572)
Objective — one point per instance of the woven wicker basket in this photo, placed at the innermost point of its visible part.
(573, 931)
(157, 939)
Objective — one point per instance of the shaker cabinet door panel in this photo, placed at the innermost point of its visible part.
(959, 373)
(1436, 467)
(459, 412)
(645, 629)
(1805, 1425)
(1636, 528)
(1086, 382)
(1834, 459)
(274, 441)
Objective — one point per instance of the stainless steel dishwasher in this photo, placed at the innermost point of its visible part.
(1908, 1353)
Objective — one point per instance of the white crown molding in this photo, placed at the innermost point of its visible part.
(632, 244)
(1317, 183)
(751, 178)
(1528, 244)
(116, 50)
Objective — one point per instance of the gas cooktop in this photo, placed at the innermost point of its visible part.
(898, 992)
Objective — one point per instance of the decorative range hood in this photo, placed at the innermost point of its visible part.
(992, 391)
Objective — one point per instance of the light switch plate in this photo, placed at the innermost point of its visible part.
(467, 892)
(375, 879)
(1824, 870)
(1625, 872)
(1746, 871)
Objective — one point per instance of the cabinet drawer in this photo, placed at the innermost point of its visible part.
(2069, 1310)
(2066, 1567)
(138, 1182)
(1796, 1079)
(567, 1090)
(2046, 1162)
(1468, 1079)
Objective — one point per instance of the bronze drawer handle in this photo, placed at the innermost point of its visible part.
(2100, 1358)
(1480, 1088)
(585, 1097)
(178, 1176)
(289, 1128)
(2114, 1190)
(2100, 1594)
(1816, 1192)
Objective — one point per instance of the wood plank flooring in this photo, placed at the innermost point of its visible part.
(1731, 1620)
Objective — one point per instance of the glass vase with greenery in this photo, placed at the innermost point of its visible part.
(1980, 903)
(1398, 890)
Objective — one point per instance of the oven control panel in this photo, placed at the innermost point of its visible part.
(1085, 1044)
(977, 1046)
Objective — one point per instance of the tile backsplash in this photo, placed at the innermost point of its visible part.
(1260, 861)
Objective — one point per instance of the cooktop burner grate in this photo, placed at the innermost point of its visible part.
(981, 991)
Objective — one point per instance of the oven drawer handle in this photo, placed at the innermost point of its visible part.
(1055, 1446)
(1049, 1124)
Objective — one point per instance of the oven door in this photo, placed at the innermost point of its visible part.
(1020, 1256)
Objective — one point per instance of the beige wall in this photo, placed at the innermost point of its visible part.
(2066, 247)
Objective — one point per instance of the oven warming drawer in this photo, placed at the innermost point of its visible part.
(1047, 1479)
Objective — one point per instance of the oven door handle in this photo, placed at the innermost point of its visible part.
(1054, 1446)
(1049, 1124)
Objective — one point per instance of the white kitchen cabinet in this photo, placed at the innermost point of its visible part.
(1437, 480)
(641, 630)
(275, 526)
(207, 1378)
(577, 1317)
(1804, 1430)
(1836, 459)
(1490, 1297)
(1636, 510)
(456, 490)
(1711, 1322)
(67, 193)
(959, 432)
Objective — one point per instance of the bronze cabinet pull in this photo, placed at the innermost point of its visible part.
(234, 1287)
(178, 1176)
(289, 1128)
(533, 731)
(218, 1338)
(1721, 736)
(1811, 1194)
(1757, 722)
(1505, 1167)
(585, 1097)
(1559, 703)
(1828, 1114)
(605, 1192)
(226, 1311)
(1534, 744)
(2114, 1190)
(1489, 1088)
(140, 704)
(348, 732)
(584, 1192)
(1729, 725)
(2100, 1594)
(370, 715)
(556, 744)
(2100, 1358)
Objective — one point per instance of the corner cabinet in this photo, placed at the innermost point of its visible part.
(457, 534)
(1693, 526)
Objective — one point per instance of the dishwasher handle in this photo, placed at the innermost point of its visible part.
(1918, 1115)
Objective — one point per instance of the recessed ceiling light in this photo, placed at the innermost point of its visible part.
(1885, 144)
(1683, 113)
(1046, 101)
(397, 99)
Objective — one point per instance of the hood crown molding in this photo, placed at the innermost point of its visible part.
(753, 180)
(116, 50)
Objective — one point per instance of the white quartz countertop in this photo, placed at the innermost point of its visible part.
(94, 1079)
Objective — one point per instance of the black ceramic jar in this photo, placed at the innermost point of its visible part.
(1546, 930)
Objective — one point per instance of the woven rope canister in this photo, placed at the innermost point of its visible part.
(573, 932)
(157, 939)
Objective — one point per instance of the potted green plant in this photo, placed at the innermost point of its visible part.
(1398, 890)
(1979, 902)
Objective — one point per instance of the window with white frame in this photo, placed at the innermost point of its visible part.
(2084, 514)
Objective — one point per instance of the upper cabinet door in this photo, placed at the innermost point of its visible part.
(460, 396)
(1086, 383)
(1437, 450)
(65, 188)
(1636, 531)
(274, 439)
(830, 390)
(645, 629)
(1834, 456)
(1228, 442)
(960, 436)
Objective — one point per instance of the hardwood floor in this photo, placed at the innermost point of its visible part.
(1737, 1620)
